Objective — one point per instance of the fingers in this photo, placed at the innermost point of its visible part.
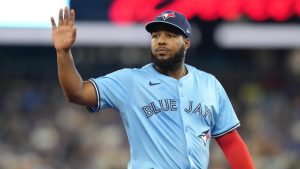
(66, 16)
(72, 17)
(53, 23)
(60, 17)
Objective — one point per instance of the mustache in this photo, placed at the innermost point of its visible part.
(161, 49)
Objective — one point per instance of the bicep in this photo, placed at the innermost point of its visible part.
(235, 150)
(88, 96)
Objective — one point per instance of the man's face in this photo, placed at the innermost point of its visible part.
(168, 48)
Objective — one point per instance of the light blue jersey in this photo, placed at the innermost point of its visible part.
(169, 122)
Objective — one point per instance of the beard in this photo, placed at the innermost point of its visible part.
(171, 63)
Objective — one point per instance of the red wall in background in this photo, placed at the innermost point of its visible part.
(130, 11)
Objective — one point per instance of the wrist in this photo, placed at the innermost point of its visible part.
(62, 51)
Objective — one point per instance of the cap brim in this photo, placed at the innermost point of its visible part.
(150, 26)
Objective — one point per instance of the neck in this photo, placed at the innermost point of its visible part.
(176, 71)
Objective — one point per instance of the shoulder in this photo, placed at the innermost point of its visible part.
(120, 73)
(128, 72)
(146, 69)
(205, 79)
(200, 73)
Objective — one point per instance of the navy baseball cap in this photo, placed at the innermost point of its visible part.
(172, 19)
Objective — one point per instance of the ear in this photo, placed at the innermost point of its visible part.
(187, 43)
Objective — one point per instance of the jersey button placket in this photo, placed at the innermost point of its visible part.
(185, 128)
(180, 90)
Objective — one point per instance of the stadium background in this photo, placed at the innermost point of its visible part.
(39, 129)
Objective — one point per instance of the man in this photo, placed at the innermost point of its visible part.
(170, 109)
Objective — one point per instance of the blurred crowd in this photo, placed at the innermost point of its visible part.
(39, 129)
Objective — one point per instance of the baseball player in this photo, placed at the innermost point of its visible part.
(170, 109)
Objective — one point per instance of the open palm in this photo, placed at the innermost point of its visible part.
(64, 34)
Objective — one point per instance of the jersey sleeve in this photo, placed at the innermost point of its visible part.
(113, 90)
(225, 117)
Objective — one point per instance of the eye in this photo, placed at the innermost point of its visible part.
(154, 35)
(172, 35)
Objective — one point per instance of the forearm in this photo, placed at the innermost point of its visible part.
(235, 150)
(69, 78)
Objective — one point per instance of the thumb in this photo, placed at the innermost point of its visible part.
(74, 31)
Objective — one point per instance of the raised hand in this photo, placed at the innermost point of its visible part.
(64, 34)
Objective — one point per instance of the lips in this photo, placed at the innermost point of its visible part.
(161, 50)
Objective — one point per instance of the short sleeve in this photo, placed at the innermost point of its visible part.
(113, 90)
(225, 117)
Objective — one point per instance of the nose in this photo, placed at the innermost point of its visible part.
(162, 40)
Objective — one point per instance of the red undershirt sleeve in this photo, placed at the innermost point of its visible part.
(235, 150)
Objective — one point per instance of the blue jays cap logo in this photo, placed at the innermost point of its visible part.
(204, 136)
(168, 14)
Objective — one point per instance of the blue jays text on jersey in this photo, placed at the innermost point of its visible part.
(171, 105)
(169, 122)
